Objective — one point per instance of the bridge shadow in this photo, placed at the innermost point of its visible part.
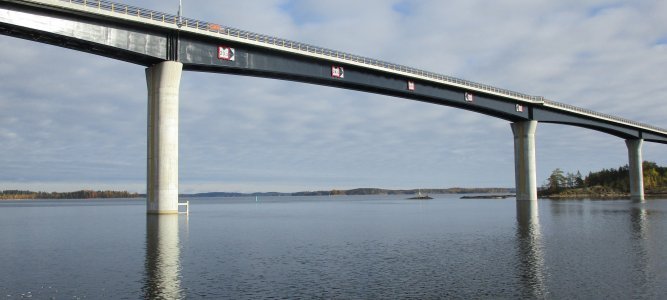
(162, 278)
(530, 255)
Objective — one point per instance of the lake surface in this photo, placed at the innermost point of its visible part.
(364, 247)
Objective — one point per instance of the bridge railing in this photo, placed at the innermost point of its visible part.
(293, 45)
(284, 43)
(601, 115)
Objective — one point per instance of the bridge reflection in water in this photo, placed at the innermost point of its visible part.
(163, 266)
(646, 252)
(530, 250)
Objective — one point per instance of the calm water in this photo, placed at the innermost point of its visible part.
(335, 247)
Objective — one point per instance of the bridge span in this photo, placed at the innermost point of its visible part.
(167, 45)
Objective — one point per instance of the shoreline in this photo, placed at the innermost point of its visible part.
(599, 196)
(90, 194)
(492, 196)
(64, 199)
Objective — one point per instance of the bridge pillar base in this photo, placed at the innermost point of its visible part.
(636, 169)
(163, 82)
(524, 160)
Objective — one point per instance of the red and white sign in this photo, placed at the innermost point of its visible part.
(337, 72)
(469, 97)
(411, 85)
(226, 53)
(519, 108)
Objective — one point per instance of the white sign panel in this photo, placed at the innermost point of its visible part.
(469, 97)
(226, 53)
(337, 72)
(519, 108)
(411, 85)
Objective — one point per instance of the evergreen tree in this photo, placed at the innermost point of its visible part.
(578, 181)
(556, 182)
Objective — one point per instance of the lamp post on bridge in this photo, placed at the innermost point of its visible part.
(180, 13)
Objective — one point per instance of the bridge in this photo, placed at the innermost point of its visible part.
(168, 45)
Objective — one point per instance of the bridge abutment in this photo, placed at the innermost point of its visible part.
(525, 171)
(636, 169)
(163, 82)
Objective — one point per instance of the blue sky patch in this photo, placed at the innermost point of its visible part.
(403, 7)
(600, 9)
(298, 15)
(661, 41)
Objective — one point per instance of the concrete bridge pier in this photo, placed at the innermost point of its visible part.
(163, 82)
(636, 169)
(525, 172)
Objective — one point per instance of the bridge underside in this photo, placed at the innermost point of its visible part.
(101, 37)
(201, 55)
(556, 117)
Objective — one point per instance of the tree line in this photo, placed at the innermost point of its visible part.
(609, 180)
(83, 194)
(377, 191)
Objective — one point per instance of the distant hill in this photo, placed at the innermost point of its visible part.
(89, 194)
(359, 191)
(83, 194)
(226, 194)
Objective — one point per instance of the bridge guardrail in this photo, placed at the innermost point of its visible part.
(293, 45)
(284, 43)
(601, 115)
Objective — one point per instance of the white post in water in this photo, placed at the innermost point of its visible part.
(163, 81)
(525, 172)
(636, 169)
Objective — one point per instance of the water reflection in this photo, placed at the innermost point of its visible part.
(531, 258)
(638, 218)
(568, 207)
(640, 238)
(162, 278)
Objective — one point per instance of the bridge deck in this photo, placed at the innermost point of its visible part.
(146, 17)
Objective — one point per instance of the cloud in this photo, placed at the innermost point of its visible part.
(71, 119)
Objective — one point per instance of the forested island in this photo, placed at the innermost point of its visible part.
(83, 194)
(607, 183)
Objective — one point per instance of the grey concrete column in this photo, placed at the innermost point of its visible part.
(163, 82)
(524, 160)
(636, 169)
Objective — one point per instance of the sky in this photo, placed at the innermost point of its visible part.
(71, 120)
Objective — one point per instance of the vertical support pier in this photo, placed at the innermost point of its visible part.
(525, 172)
(163, 82)
(636, 169)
